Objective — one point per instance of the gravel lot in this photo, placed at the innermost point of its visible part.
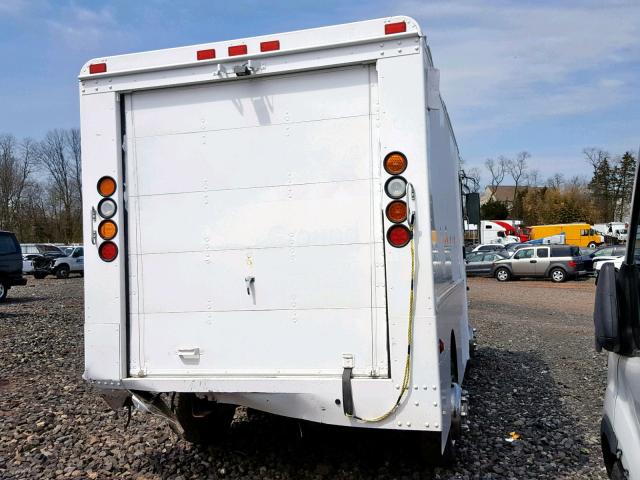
(536, 373)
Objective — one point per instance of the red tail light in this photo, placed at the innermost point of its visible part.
(397, 27)
(571, 263)
(237, 50)
(97, 68)
(270, 46)
(398, 236)
(206, 54)
(108, 251)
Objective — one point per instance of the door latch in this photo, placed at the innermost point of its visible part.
(249, 281)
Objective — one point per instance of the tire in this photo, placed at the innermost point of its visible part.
(39, 275)
(4, 289)
(557, 275)
(430, 450)
(618, 472)
(63, 271)
(592, 245)
(503, 274)
(203, 422)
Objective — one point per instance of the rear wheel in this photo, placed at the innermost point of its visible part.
(4, 289)
(63, 271)
(431, 450)
(618, 472)
(558, 275)
(592, 245)
(503, 274)
(202, 421)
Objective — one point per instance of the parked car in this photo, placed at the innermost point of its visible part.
(10, 264)
(45, 249)
(41, 259)
(488, 247)
(73, 262)
(514, 247)
(591, 257)
(617, 262)
(558, 262)
(481, 263)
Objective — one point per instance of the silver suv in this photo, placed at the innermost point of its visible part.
(558, 262)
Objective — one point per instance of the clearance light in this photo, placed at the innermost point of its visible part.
(395, 163)
(206, 54)
(97, 68)
(107, 229)
(106, 186)
(270, 46)
(398, 236)
(398, 27)
(397, 211)
(237, 50)
(107, 208)
(396, 187)
(108, 251)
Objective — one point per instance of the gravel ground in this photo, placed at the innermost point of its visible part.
(536, 373)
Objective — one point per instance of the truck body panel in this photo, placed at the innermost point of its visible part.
(253, 262)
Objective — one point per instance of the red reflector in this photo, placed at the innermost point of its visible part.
(270, 46)
(108, 251)
(398, 236)
(206, 54)
(237, 50)
(97, 68)
(571, 263)
(397, 27)
(441, 346)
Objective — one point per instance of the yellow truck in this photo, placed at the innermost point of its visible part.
(579, 234)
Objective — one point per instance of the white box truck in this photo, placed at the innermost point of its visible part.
(275, 222)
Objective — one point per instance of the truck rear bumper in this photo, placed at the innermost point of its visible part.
(314, 399)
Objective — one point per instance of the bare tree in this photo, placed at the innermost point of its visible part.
(15, 170)
(57, 159)
(533, 178)
(475, 175)
(73, 141)
(556, 181)
(518, 170)
(497, 171)
(595, 156)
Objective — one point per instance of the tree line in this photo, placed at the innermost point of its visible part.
(604, 197)
(41, 187)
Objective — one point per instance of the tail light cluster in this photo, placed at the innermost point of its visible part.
(398, 235)
(107, 229)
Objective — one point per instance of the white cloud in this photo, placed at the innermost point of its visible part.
(82, 28)
(513, 62)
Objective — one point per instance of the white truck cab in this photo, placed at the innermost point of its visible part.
(275, 222)
(617, 326)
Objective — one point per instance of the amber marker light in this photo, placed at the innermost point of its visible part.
(107, 229)
(106, 186)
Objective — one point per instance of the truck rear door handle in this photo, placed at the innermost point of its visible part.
(533, 261)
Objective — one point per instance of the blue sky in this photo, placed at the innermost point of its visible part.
(548, 77)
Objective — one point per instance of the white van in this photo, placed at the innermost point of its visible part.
(617, 326)
(275, 222)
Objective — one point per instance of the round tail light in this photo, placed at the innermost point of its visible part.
(106, 186)
(108, 251)
(398, 236)
(396, 187)
(397, 211)
(107, 229)
(107, 208)
(395, 163)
